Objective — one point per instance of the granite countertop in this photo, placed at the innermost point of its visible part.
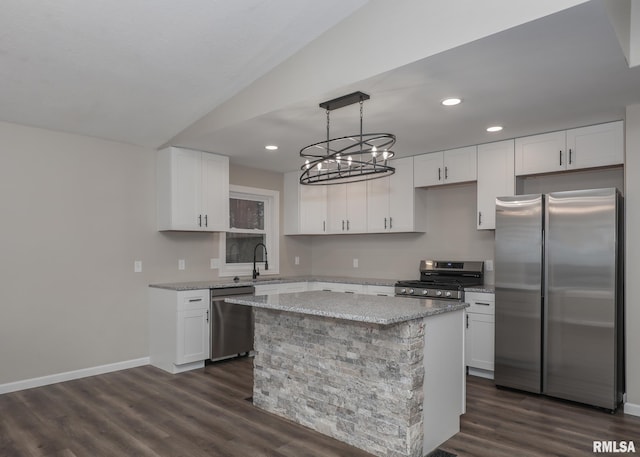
(354, 307)
(247, 281)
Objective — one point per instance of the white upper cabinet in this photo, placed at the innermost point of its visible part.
(305, 207)
(193, 190)
(596, 146)
(584, 147)
(445, 167)
(347, 207)
(391, 200)
(495, 179)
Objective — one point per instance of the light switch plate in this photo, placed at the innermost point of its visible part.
(137, 266)
(180, 264)
(214, 263)
(296, 260)
(488, 265)
(355, 263)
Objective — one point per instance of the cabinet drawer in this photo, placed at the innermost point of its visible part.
(193, 299)
(481, 303)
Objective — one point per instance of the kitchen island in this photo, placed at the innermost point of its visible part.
(384, 374)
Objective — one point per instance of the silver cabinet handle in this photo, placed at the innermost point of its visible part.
(193, 300)
(390, 222)
(560, 158)
(207, 315)
(483, 304)
(343, 226)
(467, 321)
(199, 220)
(479, 217)
(206, 220)
(569, 156)
(324, 226)
(347, 225)
(446, 172)
(439, 174)
(385, 223)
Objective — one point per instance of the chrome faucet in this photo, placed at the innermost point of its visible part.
(256, 273)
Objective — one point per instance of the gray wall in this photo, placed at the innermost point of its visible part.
(76, 213)
(451, 234)
(632, 270)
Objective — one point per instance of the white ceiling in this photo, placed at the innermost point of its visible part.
(143, 71)
(140, 71)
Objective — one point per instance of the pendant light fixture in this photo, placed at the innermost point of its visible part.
(349, 158)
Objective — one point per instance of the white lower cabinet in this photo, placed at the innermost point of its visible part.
(281, 288)
(337, 287)
(479, 335)
(179, 329)
(380, 290)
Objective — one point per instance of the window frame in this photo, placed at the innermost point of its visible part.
(271, 199)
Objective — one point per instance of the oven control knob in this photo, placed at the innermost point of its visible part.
(425, 291)
(438, 293)
(448, 294)
(403, 291)
(410, 291)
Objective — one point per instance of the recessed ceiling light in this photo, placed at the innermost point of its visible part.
(494, 128)
(451, 101)
(271, 147)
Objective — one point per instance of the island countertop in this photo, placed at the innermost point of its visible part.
(372, 309)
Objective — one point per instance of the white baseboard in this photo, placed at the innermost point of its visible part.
(480, 373)
(632, 409)
(70, 375)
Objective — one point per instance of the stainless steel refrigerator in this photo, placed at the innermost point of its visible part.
(559, 295)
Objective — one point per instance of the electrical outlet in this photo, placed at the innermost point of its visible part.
(355, 263)
(214, 263)
(488, 265)
(296, 260)
(137, 266)
(180, 264)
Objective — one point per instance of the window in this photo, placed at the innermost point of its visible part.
(253, 219)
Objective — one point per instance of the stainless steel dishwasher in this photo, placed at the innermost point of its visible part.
(231, 325)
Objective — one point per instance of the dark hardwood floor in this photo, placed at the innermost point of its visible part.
(147, 412)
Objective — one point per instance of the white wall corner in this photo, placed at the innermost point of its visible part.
(71, 375)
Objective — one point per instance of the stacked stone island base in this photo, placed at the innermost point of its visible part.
(394, 389)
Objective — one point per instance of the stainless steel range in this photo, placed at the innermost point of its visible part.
(442, 279)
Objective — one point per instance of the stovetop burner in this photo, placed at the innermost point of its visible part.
(442, 280)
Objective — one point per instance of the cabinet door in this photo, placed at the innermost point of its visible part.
(428, 169)
(378, 194)
(495, 179)
(313, 209)
(357, 207)
(402, 197)
(479, 341)
(215, 192)
(541, 153)
(186, 185)
(337, 208)
(192, 343)
(460, 165)
(595, 146)
(347, 208)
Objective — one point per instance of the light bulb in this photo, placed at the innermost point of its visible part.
(374, 151)
(349, 160)
(306, 164)
(320, 166)
(385, 154)
(338, 159)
